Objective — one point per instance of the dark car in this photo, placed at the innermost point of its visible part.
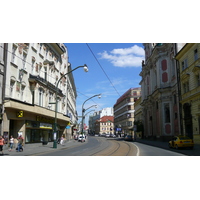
(128, 138)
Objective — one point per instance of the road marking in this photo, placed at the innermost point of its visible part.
(138, 150)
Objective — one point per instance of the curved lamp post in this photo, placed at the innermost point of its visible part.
(83, 110)
(55, 118)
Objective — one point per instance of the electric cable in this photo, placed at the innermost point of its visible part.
(102, 69)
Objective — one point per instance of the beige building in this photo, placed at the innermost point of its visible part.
(33, 70)
(124, 111)
(104, 125)
(3, 54)
(189, 69)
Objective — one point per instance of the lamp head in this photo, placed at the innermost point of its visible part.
(99, 96)
(85, 68)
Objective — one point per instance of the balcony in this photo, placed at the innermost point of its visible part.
(42, 81)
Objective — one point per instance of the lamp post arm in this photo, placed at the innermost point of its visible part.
(66, 74)
(84, 110)
(55, 119)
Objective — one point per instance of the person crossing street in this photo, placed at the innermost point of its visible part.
(1, 144)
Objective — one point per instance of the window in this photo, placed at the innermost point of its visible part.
(13, 53)
(195, 54)
(45, 73)
(11, 88)
(22, 92)
(198, 79)
(186, 87)
(167, 113)
(24, 60)
(41, 94)
(184, 64)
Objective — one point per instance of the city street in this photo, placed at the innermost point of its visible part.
(99, 146)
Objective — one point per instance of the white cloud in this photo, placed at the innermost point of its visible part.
(127, 57)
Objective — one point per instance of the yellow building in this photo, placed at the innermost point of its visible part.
(189, 70)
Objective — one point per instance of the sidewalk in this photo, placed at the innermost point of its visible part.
(38, 148)
(164, 145)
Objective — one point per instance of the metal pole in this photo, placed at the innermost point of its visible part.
(83, 110)
(56, 109)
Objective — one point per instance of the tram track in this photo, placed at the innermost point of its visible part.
(117, 148)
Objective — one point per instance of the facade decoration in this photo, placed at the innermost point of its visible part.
(31, 87)
(159, 101)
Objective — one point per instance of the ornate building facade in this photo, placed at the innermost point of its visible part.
(32, 73)
(159, 101)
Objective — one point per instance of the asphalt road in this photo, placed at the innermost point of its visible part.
(147, 150)
(100, 146)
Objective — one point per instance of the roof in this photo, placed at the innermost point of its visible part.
(107, 118)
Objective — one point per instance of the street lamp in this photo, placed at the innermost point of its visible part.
(90, 107)
(55, 118)
(83, 110)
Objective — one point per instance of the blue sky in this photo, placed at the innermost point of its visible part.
(120, 61)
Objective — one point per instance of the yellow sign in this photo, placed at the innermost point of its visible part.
(20, 113)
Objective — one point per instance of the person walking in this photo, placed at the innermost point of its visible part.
(20, 142)
(61, 140)
(1, 144)
(11, 143)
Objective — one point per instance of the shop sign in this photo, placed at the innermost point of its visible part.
(68, 127)
(46, 125)
(44, 119)
(20, 113)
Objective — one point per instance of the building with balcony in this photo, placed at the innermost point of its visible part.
(32, 72)
(160, 95)
(124, 111)
(189, 71)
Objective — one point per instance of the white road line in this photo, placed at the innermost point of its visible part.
(138, 150)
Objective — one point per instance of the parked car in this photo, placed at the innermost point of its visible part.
(112, 135)
(107, 135)
(81, 138)
(180, 142)
(128, 138)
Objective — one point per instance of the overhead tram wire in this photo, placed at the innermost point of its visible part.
(90, 99)
(102, 69)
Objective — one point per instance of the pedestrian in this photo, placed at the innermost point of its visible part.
(61, 140)
(1, 144)
(11, 143)
(20, 142)
(15, 143)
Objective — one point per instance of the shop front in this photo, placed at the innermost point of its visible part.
(38, 132)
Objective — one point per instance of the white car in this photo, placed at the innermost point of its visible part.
(81, 138)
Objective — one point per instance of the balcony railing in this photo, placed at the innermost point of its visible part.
(45, 83)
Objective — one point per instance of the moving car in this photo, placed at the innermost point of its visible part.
(128, 138)
(81, 138)
(180, 142)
